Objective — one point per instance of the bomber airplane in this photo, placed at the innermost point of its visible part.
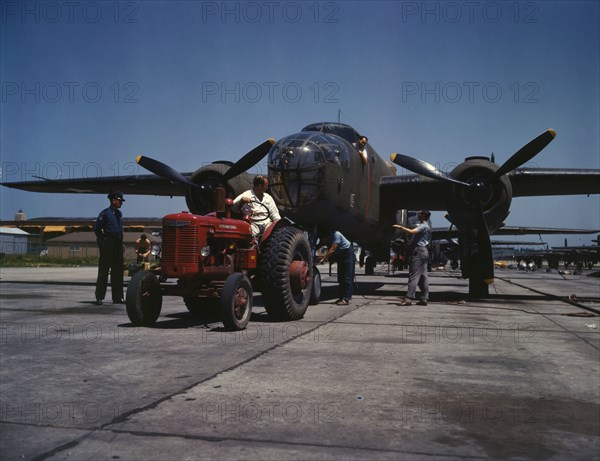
(580, 255)
(319, 180)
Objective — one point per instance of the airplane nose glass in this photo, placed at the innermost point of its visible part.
(296, 167)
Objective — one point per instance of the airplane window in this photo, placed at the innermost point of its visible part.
(308, 148)
(297, 166)
(343, 131)
(295, 188)
(336, 154)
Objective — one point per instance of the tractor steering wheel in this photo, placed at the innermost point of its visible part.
(248, 217)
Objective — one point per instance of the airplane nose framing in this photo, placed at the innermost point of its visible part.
(296, 166)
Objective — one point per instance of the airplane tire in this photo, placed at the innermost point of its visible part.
(143, 299)
(236, 302)
(285, 300)
(315, 293)
(478, 288)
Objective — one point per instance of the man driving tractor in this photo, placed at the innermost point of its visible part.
(257, 206)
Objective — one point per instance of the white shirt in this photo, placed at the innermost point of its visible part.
(260, 211)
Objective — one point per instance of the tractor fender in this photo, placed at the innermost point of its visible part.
(283, 222)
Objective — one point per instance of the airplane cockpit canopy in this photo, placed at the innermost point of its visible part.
(339, 129)
(307, 150)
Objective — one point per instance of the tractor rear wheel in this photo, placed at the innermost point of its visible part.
(143, 299)
(286, 274)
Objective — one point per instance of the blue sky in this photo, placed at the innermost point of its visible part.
(87, 86)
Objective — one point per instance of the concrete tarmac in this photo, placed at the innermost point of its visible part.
(515, 376)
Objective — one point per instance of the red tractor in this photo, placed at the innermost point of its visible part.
(217, 262)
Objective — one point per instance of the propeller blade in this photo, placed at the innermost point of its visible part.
(250, 159)
(423, 168)
(164, 171)
(526, 153)
(484, 246)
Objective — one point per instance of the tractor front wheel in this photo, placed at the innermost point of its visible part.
(236, 302)
(143, 299)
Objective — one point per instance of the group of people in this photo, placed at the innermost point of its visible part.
(255, 204)
(260, 209)
(340, 250)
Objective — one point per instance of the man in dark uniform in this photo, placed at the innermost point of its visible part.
(109, 235)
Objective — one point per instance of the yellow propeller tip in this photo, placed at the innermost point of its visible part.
(552, 132)
(393, 157)
(272, 140)
(137, 159)
(489, 281)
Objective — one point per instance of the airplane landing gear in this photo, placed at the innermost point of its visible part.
(478, 288)
(471, 267)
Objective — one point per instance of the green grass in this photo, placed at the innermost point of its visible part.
(45, 261)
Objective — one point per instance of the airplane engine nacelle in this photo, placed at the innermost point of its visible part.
(494, 197)
(202, 201)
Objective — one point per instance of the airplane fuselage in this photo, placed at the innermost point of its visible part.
(317, 176)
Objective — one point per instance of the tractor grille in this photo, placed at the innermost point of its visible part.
(180, 248)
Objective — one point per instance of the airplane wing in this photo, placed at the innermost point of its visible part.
(147, 184)
(589, 248)
(169, 183)
(446, 233)
(554, 181)
(517, 230)
(413, 192)
(416, 192)
(516, 243)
